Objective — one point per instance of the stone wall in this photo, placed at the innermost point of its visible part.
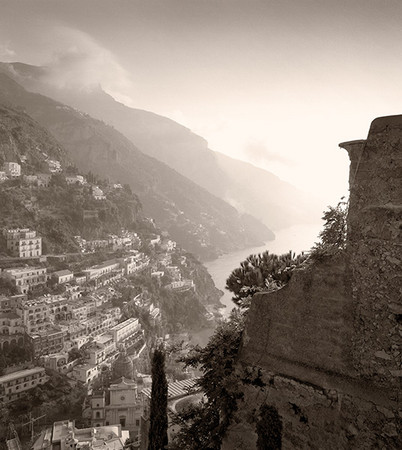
(328, 344)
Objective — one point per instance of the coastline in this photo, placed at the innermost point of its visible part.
(297, 238)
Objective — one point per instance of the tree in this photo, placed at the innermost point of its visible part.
(333, 236)
(158, 438)
(7, 287)
(204, 426)
(269, 429)
(262, 272)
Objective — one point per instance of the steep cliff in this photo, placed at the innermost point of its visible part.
(202, 223)
(281, 206)
(328, 344)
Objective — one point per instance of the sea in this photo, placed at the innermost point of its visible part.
(297, 238)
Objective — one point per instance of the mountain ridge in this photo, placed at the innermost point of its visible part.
(201, 223)
(281, 205)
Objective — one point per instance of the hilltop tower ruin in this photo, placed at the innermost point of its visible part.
(328, 343)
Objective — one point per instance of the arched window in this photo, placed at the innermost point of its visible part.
(98, 415)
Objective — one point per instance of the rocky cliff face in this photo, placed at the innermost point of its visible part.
(328, 344)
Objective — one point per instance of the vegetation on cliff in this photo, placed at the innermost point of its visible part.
(158, 436)
(334, 232)
(203, 426)
(262, 272)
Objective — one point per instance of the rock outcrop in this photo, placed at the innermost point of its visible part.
(329, 343)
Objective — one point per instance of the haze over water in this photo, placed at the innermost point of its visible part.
(297, 238)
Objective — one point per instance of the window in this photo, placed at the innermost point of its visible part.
(137, 423)
(98, 415)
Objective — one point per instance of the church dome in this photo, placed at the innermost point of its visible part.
(123, 367)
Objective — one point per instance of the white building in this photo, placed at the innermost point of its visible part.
(26, 278)
(13, 385)
(54, 166)
(123, 331)
(125, 407)
(85, 373)
(63, 276)
(97, 193)
(65, 436)
(23, 242)
(12, 169)
(75, 179)
(102, 269)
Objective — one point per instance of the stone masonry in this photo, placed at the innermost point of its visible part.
(329, 343)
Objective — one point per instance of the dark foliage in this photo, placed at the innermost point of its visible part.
(333, 236)
(262, 272)
(158, 438)
(220, 385)
(269, 429)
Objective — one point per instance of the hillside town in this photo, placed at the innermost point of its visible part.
(91, 317)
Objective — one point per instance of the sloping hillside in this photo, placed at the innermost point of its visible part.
(57, 211)
(203, 224)
(258, 192)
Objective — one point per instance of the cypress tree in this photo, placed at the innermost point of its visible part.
(158, 438)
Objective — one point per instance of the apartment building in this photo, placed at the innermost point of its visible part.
(135, 263)
(23, 242)
(46, 342)
(26, 278)
(123, 331)
(63, 276)
(98, 324)
(97, 193)
(13, 385)
(54, 166)
(35, 315)
(58, 362)
(102, 269)
(75, 332)
(3, 176)
(75, 179)
(59, 307)
(85, 373)
(12, 169)
(102, 348)
(10, 324)
(9, 304)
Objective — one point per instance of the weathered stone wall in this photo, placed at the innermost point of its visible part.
(375, 250)
(328, 344)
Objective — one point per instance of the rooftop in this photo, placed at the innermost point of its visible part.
(103, 338)
(9, 315)
(105, 264)
(61, 273)
(119, 326)
(23, 269)
(20, 374)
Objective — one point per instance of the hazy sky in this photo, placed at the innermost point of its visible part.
(278, 83)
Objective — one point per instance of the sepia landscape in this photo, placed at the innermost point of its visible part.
(200, 225)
